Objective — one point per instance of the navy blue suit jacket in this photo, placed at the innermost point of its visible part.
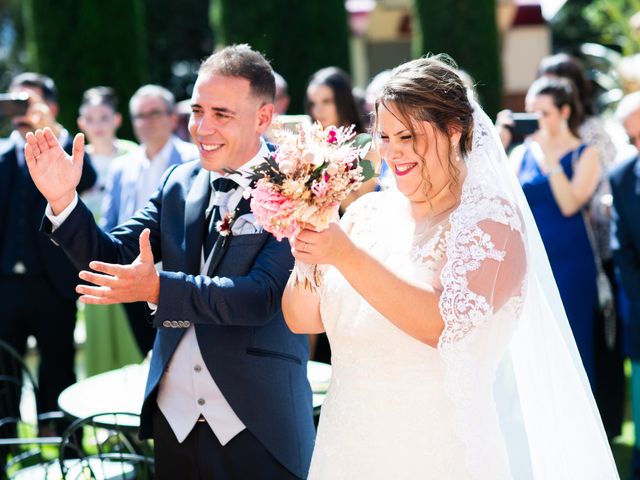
(625, 241)
(258, 364)
(58, 270)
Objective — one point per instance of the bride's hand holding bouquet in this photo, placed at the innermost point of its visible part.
(330, 246)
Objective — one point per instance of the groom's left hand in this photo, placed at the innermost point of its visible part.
(136, 282)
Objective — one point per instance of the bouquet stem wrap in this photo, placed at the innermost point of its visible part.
(307, 275)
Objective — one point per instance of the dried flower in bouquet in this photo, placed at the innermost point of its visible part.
(304, 181)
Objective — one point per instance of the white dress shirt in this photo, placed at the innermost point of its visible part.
(151, 171)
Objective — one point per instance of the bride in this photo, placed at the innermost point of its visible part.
(452, 355)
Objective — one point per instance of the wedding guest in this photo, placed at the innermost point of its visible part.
(329, 99)
(99, 120)
(625, 188)
(109, 341)
(282, 100)
(36, 279)
(608, 342)
(559, 173)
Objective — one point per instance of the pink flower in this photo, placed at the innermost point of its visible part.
(319, 189)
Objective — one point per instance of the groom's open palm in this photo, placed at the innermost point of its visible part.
(55, 173)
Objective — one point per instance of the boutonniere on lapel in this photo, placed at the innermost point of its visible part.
(223, 226)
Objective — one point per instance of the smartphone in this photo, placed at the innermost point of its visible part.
(524, 124)
(13, 104)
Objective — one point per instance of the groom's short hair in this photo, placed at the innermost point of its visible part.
(243, 62)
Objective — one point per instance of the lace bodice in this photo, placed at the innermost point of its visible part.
(386, 385)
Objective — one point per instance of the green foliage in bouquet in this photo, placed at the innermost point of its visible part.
(364, 142)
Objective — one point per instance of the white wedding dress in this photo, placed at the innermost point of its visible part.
(387, 414)
(504, 395)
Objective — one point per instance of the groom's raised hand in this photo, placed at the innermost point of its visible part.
(136, 282)
(54, 172)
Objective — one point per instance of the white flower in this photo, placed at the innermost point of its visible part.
(332, 169)
(286, 167)
(308, 157)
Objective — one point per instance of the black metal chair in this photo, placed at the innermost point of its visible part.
(105, 446)
(19, 444)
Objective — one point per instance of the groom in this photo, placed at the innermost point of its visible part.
(227, 395)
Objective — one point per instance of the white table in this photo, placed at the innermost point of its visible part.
(122, 390)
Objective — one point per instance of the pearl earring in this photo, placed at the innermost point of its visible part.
(454, 149)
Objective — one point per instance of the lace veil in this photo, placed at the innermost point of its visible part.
(504, 317)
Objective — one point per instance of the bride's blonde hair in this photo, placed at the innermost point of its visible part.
(430, 89)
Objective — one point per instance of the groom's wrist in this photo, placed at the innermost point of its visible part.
(60, 204)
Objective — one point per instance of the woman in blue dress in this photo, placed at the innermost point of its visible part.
(559, 174)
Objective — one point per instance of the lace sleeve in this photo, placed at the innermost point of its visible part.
(484, 269)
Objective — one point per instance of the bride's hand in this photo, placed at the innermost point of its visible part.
(327, 247)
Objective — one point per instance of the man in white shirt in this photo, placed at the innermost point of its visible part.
(134, 177)
(227, 395)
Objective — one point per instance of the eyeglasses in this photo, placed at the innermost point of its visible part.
(152, 115)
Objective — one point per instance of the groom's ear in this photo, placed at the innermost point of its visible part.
(264, 117)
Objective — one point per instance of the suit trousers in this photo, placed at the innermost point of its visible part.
(31, 306)
(202, 457)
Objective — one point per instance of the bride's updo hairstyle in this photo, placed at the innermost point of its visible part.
(430, 89)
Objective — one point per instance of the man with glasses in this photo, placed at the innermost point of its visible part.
(625, 188)
(134, 177)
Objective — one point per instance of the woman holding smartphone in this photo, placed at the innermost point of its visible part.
(559, 173)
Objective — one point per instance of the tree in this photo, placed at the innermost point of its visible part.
(316, 36)
(84, 43)
(178, 37)
(12, 50)
(616, 22)
(569, 29)
(467, 31)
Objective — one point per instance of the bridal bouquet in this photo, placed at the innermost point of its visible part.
(303, 182)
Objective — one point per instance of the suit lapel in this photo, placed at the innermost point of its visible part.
(195, 207)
